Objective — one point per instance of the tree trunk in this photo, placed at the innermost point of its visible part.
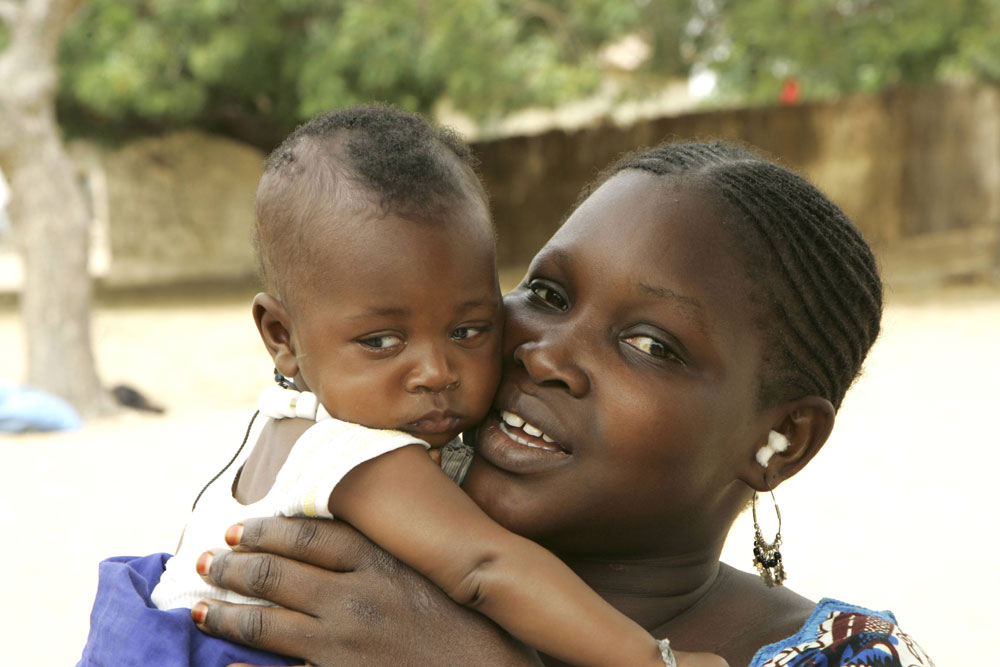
(48, 208)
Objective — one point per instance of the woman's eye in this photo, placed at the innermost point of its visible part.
(381, 342)
(651, 346)
(548, 294)
(468, 333)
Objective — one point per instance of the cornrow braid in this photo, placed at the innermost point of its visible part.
(815, 278)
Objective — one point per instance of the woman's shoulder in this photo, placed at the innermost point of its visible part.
(838, 633)
(744, 615)
(797, 632)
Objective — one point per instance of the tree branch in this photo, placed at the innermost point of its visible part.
(9, 12)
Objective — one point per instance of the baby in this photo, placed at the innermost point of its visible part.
(383, 317)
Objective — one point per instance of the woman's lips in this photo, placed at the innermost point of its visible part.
(508, 446)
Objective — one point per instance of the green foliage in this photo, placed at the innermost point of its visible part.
(258, 67)
(169, 62)
(979, 44)
(833, 47)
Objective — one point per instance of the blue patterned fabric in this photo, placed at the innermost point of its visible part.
(126, 630)
(838, 634)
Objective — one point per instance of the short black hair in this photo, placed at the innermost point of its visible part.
(396, 160)
(815, 279)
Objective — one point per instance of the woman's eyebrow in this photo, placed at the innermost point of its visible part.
(561, 255)
(669, 294)
(691, 306)
(555, 255)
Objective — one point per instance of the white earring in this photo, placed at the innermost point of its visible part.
(776, 442)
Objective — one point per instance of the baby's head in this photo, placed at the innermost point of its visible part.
(378, 254)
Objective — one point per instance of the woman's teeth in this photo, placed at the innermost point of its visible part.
(510, 419)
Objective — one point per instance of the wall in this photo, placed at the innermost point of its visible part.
(179, 210)
(918, 171)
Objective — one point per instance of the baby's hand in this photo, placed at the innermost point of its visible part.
(435, 454)
(688, 659)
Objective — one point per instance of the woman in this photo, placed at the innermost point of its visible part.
(696, 301)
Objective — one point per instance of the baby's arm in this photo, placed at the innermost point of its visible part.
(404, 503)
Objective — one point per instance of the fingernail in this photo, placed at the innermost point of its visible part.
(204, 563)
(198, 612)
(234, 534)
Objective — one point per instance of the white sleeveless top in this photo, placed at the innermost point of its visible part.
(319, 459)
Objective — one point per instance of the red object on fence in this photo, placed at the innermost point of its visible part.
(791, 92)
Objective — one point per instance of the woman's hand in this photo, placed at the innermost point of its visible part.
(343, 601)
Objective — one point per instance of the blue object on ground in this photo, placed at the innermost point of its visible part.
(27, 409)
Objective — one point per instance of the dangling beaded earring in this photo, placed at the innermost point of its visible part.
(283, 381)
(766, 555)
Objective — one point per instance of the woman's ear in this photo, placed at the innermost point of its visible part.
(275, 329)
(798, 430)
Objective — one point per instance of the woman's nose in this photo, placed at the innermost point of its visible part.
(431, 373)
(549, 362)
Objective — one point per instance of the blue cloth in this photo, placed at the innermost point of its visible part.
(838, 634)
(126, 630)
(28, 409)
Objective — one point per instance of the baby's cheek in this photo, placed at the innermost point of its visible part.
(482, 380)
(361, 402)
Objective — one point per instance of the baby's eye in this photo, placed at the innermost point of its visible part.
(651, 346)
(467, 333)
(383, 342)
(548, 294)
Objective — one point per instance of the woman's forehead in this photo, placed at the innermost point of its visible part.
(650, 220)
(659, 237)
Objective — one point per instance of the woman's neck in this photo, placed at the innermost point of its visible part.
(652, 591)
(698, 602)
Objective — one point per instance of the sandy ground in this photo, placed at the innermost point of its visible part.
(895, 512)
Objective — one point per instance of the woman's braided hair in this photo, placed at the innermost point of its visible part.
(815, 278)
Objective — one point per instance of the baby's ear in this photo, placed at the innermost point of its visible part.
(275, 329)
(798, 430)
